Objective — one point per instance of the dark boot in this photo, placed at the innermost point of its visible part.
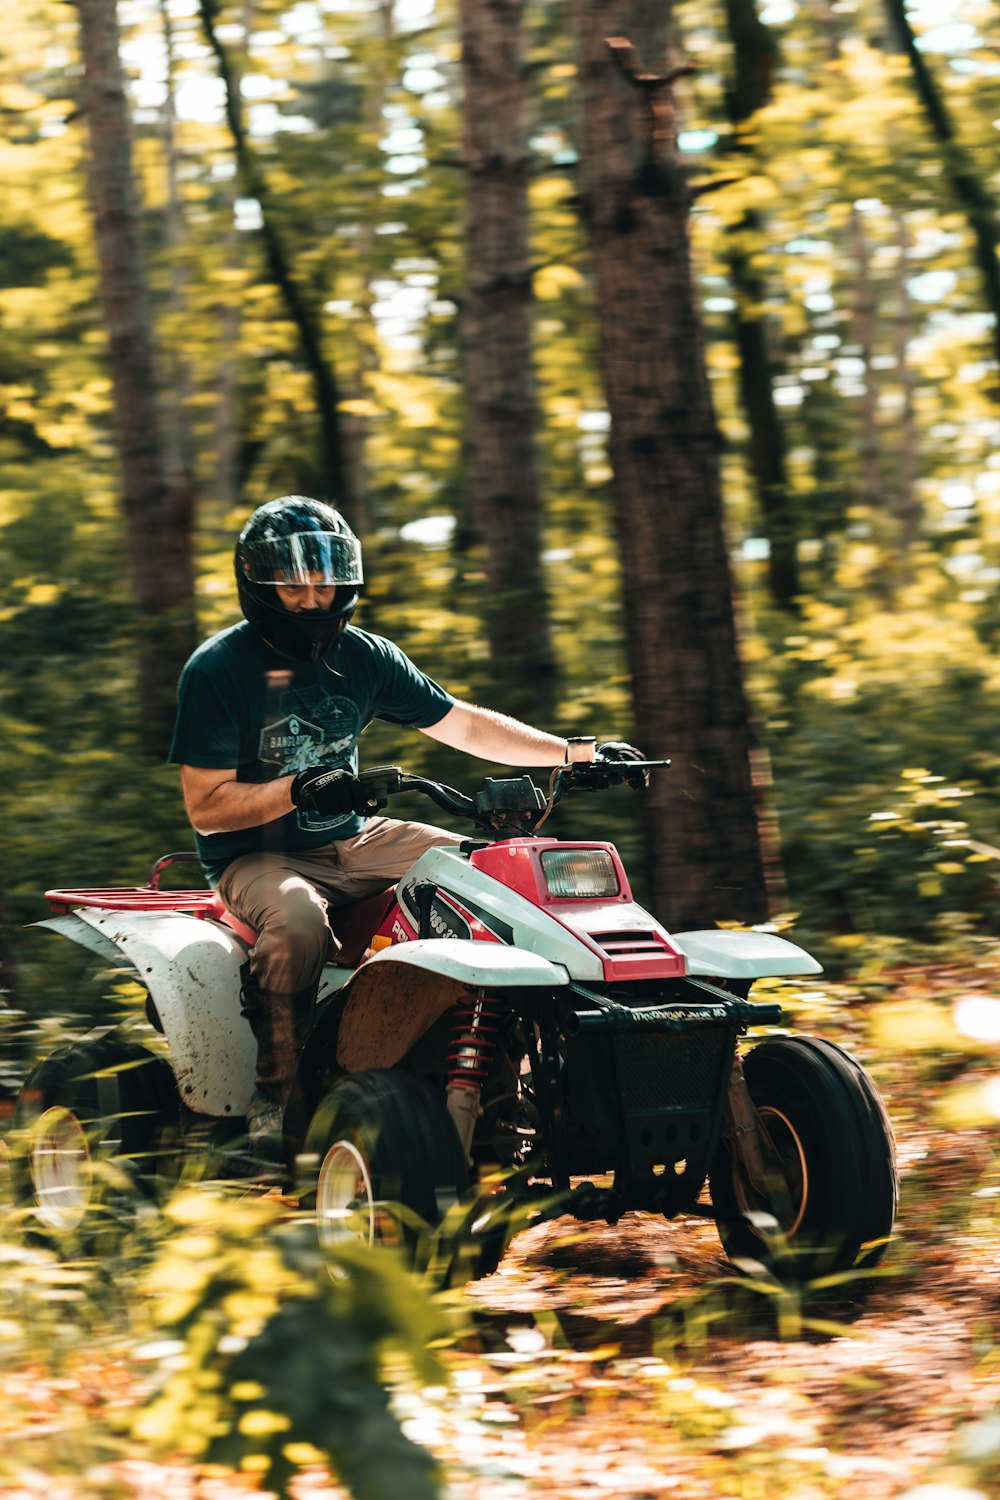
(281, 1024)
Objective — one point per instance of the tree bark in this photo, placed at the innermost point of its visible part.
(700, 819)
(755, 58)
(178, 436)
(960, 171)
(158, 513)
(864, 322)
(909, 511)
(336, 475)
(497, 319)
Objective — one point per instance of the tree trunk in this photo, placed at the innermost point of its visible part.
(865, 317)
(158, 513)
(960, 171)
(700, 818)
(357, 426)
(335, 471)
(497, 348)
(909, 512)
(755, 57)
(178, 436)
(227, 458)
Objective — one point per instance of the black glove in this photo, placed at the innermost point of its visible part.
(327, 790)
(620, 753)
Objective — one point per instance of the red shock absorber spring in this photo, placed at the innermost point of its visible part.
(473, 1041)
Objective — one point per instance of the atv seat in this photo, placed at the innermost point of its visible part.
(352, 925)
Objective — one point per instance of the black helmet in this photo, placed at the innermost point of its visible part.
(297, 540)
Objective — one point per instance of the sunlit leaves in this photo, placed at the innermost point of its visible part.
(271, 1362)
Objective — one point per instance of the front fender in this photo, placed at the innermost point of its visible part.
(191, 968)
(471, 962)
(722, 953)
(398, 994)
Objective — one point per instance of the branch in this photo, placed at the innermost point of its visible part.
(626, 57)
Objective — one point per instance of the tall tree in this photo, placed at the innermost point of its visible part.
(703, 843)
(967, 183)
(158, 503)
(497, 315)
(178, 434)
(906, 493)
(334, 470)
(755, 58)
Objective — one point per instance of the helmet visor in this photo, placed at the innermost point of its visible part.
(317, 557)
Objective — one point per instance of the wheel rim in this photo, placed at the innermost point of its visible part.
(345, 1199)
(61, 1169)
(788, 1147)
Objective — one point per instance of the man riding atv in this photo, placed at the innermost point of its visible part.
(268, 719)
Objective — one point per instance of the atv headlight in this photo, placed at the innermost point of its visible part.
(579, 872)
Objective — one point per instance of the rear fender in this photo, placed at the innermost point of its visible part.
(191, 968)
(720, 953)
(400, 992)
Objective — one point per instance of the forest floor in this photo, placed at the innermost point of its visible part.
(629, 1361)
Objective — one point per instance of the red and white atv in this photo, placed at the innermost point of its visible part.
(507, 1031)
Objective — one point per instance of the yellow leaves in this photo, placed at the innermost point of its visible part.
(968, 1105)
(550, 191)
(247, 1390)
(93, 398)
(260, 1423)
(18, 98)
(42, 593)
(255, 1463)
(193, 1208)
(750, 193)
(551, 281)
(247, 1312)
(358, 407)
(915, 1026)
(304, 1455)
(403, 395)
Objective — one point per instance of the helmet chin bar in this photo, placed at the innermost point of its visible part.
(306, 635)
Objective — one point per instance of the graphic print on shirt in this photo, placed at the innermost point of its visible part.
(315, 727)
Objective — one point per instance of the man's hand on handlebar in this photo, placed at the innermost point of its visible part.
(620, 754)
(332, 792)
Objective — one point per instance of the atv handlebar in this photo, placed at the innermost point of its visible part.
(379, 783)
(511, 804)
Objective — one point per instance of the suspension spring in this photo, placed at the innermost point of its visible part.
(473, 1041)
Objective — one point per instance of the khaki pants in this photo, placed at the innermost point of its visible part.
(285, 896)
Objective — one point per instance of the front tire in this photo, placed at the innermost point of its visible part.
(93, 1126)
(385, 1161)
(832, 1136)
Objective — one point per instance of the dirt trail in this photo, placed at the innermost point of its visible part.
(626, 1362)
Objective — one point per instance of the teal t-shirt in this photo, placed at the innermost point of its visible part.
(241, 703)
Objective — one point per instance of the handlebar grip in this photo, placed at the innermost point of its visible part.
(391, 775)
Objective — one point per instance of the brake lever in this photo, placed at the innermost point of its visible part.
(596, 775)
(376, 785)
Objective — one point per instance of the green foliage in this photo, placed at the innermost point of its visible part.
(852, 706)
(281, 1356)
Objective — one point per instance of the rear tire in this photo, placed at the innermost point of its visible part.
(830, 1130)
(94, 1128)
(385, 1162)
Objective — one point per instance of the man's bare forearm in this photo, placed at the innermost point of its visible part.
(493, 736)
(217, 803)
